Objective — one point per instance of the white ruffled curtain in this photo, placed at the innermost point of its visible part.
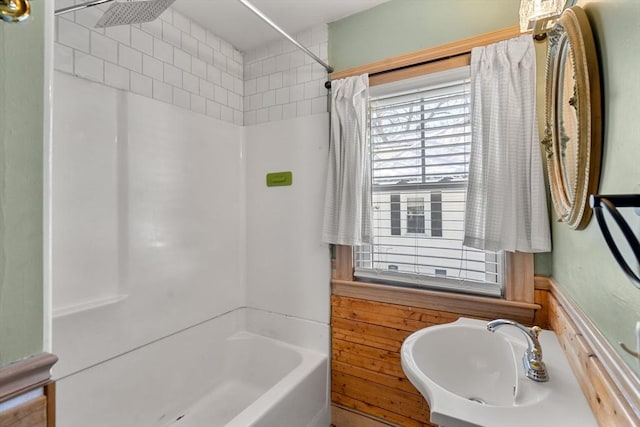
(347, 212)
(506, 199)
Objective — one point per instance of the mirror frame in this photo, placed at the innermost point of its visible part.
(573, 31)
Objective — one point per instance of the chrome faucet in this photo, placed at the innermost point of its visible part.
(533, 365)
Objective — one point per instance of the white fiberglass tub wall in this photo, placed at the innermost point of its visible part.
(149, 238)
(147, 221)
(288, 266)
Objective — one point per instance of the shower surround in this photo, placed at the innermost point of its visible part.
(162, 223)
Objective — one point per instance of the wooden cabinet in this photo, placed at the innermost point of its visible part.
(27, 394)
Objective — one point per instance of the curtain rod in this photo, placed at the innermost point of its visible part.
(273, 25)
(432, 54)
(327, 84)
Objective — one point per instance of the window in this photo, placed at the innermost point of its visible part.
(420, 144)
(415, 215)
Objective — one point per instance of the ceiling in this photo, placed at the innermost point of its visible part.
(232, 21)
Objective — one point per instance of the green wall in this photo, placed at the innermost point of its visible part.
(21, 136)
(402, 26)
(580, 261)
(582, 264)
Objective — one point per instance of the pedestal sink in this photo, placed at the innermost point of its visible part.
(472, 377)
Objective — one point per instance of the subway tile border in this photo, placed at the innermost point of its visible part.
(171, 59)
(175, 60)
(282, 82)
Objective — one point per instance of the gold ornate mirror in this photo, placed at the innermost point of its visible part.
(573, 129)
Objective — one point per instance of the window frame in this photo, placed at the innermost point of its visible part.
(519, 274)
(420, 133)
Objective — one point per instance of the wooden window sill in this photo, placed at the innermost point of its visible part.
(463, 304)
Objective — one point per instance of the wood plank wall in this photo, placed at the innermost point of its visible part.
(30, 414)
(606, 400)
(366, 372)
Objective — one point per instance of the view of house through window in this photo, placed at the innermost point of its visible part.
(420, 145)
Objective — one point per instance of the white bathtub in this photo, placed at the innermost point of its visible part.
(266, 383)
(246, 368)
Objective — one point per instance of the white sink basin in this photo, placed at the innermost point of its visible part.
(473, 377)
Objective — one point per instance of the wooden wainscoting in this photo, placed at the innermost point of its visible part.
(366, 375)
(612, 390)
(365, 366)
(30, 414)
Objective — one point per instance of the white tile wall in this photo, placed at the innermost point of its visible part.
(281, 82)
(170, 59)
(174, 60)
(141, 85)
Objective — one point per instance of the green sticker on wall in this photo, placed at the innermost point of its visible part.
(279, 179)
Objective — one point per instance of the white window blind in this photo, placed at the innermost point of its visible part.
(420, 145)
